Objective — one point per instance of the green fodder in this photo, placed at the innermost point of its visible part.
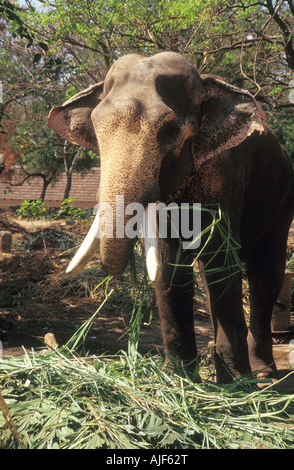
(65, 401)
(129, 401)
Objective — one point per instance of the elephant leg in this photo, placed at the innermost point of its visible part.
(224, 291)
(265, 270)
(174, 293)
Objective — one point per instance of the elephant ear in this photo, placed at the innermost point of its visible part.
(228, 116)
(72, 121)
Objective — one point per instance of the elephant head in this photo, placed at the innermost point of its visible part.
(154, 121)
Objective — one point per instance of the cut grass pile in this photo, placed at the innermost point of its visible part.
(127, 401)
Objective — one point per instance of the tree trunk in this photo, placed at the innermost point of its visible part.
(69, 170)
(68, 185)
(44, 189)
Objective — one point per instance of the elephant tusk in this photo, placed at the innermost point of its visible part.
(152, 262)
(86, 250)
(151, 242)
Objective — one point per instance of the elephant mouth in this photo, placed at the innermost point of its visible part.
(92, 240)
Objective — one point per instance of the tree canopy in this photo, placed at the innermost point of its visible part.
(52, 49)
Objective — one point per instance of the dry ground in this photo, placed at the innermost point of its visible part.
(36, 297)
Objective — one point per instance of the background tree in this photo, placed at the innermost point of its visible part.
(34, 80)
(72, 44)
(44, 154)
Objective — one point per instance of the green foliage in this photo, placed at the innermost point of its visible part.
(9, 10)
(118, 26)
(68, 210)
(36, 209)
(242, 42)
(32, 210)
(282, 123)
(63, 401)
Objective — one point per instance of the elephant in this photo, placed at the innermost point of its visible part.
(166, 134)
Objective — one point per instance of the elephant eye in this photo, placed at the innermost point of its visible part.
(168, 133)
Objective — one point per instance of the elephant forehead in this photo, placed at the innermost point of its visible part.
(164, 62)
(148, 76)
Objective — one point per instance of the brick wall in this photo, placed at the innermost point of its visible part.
(83, 189)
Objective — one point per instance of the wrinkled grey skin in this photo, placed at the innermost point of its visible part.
(166, 134)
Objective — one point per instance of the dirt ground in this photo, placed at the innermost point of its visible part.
(36, 297)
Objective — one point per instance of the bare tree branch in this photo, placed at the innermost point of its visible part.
(288, 42)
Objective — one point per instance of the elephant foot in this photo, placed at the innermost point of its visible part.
(261, 358)
(265, 377)
(262, 370)
(227, 369)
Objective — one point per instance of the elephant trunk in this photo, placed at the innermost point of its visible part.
(116, 242)
(128, 221)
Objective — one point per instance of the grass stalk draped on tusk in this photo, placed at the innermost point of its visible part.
(151, 241)
(86, 250)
